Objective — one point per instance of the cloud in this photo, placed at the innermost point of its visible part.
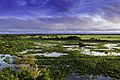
(76, 23)
(60, 15)
(58, 7)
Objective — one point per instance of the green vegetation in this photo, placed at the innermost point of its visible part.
(28, 66)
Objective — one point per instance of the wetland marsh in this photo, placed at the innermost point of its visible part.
(59, 57)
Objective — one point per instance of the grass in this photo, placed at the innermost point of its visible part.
(57, 68)
(7, 60)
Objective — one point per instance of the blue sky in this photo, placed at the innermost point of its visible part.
(60, 15)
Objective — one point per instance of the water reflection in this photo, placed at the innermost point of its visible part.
(6, 60)
(90, 77)
(53, 54)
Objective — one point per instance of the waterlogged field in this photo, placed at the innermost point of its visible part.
(59, 57)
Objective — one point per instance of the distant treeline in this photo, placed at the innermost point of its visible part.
(51, 37)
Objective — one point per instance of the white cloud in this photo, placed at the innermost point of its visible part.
(75, 23)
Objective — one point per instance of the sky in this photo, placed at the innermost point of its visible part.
(60, 15)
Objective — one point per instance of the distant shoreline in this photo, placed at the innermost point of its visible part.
(30, 31)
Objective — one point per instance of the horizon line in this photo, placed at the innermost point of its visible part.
(31, 31)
